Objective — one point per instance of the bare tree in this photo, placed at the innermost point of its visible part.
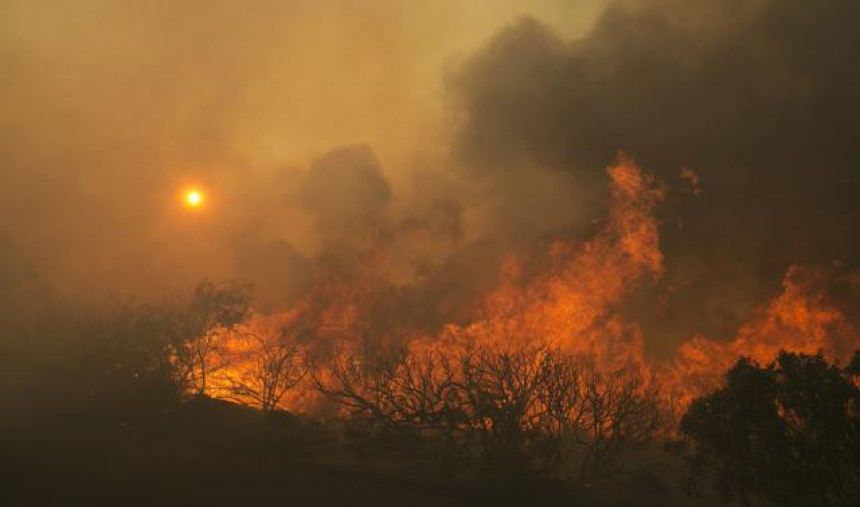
(562, 398)
(273, 364)
(515, 410)
(392, 388)
(196, 330)
(500, 390)
(617, 410)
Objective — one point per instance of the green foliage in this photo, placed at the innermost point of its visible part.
(787, 433)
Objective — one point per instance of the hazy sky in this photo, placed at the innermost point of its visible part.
(439, 132)
(110, 108)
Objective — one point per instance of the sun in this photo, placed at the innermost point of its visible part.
(193, 198)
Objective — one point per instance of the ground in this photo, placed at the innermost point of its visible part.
(211, 453)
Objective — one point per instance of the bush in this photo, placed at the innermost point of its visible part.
(788, 433)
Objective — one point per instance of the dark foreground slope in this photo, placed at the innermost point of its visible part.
(208, 453)
(202, 454)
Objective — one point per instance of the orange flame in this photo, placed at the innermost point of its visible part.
(569, 295)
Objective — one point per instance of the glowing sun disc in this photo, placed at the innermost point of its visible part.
(193, 198)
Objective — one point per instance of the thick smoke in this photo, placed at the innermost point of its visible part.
(354, 142)
(759, 99)
(346, 191)
(110, 109)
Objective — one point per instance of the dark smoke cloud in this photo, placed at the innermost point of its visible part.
(281, 275)
(346, 190)
(108, 110)
(760, 99)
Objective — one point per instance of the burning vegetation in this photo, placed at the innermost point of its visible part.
(546, 380)
(444, 301)
(566, 298)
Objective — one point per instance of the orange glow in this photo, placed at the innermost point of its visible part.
(803, 318)
(569, 295)
(193, 198)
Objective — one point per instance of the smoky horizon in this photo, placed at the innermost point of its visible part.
(430, 253)
(421, 146)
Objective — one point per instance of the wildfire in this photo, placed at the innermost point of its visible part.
(568, 297)
(803, 318)
(571, 303)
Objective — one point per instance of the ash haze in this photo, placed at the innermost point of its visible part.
(110, 109)
(430, 252)
(453, 130)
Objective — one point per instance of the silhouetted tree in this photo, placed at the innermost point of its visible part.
(502, 392)
(391, 388)
(273, 364)
(617, 410)
(511, 412)
(197, 323)
(112, 362)
(788, 433)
